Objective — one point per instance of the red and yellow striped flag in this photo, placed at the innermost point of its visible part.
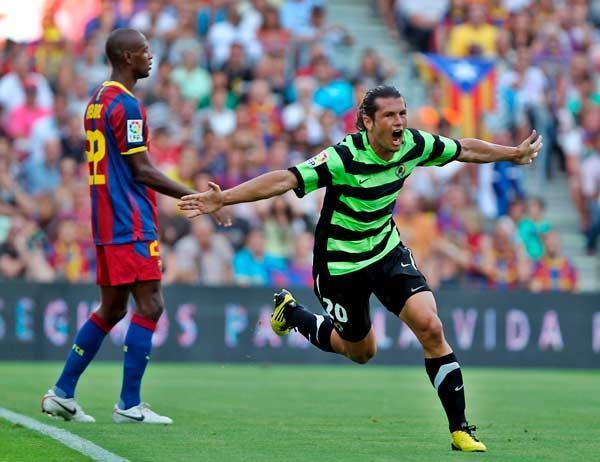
(468, 87)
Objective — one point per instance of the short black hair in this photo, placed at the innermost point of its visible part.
(119, 41)
(368, 106)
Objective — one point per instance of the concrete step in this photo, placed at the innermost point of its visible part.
(588, 272)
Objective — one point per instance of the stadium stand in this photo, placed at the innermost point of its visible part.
(242, 87)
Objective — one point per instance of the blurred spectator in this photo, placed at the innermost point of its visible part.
(12, 84)
(173, 226)
(185, 38)
(223, 34)
(278, 230)
(108, 19)
(476, 37)
(194, 82)
(332, 128)
(295, 14)
(503, 261)
(418, 21)
(183, 171)
(590, 185)
(68, 255)
(65, 191)
(529, 86)
(553, 271)
(210, 13)
(507, 186)
(237, 69)
(22, 255)
(252, 265)
(201, 257)
(304, 110)
(299, 271)
(272, 67)
(13, 199)
(271, 35)
(532, 228)
(42, 176)
(51, 126)
(221, 120)
(72, 140)
(155, 20)
(91, 67)
(328, 36)
(332, 92)
(373, 70)
(79, 97)
(51, 51)
(264, 114)
(22, 118)
(418, 228)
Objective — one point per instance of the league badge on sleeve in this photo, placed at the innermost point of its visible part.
(135, 131)
(317, 160)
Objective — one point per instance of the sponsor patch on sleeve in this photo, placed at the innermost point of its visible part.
(317, 160)
(135, 131)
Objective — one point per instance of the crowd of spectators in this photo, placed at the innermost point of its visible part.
(243, 87)
(547, 61)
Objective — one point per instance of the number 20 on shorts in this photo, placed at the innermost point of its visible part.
(336, 311)
(95, 153)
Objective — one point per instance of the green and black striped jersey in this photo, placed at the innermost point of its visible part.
(356, 228)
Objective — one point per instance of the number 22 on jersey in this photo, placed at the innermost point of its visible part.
(95, 153)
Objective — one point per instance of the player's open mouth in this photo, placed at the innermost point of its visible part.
(397, 137)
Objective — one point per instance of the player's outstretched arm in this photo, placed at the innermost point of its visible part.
(262, 187)
(146, 173)
(480, 152)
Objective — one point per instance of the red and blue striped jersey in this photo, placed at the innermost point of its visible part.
(123, 210)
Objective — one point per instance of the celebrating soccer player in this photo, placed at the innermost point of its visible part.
(123, 182)
(358, 250)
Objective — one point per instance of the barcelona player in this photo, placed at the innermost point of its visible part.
(358, 251)
(122, 182)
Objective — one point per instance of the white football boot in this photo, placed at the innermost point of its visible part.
(139, 414)
(67, 408)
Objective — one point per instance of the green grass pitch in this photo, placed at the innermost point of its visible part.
(312, 413)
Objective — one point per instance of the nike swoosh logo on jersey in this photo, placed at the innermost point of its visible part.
(459, 388)
(403, 265)
(363, 180)
(416, 288)
(70, 411)
(138, 419)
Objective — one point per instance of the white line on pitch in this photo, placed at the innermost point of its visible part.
(85, 447)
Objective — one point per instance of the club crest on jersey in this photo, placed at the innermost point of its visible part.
(135, 131)
(317, 160)
(400, 171)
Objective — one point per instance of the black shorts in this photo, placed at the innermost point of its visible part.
(393, 279)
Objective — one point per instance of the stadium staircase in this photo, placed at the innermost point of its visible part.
(364, 23)
(563, 217)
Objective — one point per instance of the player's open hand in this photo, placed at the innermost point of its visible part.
(529, 149)
(222, 217)
(210, 201)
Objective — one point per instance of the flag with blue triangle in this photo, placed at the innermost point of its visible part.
(468, 86)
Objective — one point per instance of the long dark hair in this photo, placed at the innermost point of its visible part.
(368, 106)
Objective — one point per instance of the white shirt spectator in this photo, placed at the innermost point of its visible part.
(515, 5)
(12, 93)
(590, 177)
(221, 122)
(164, 23)
(531, 87)
(213, 264)
(220, 37)
(432, 10)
